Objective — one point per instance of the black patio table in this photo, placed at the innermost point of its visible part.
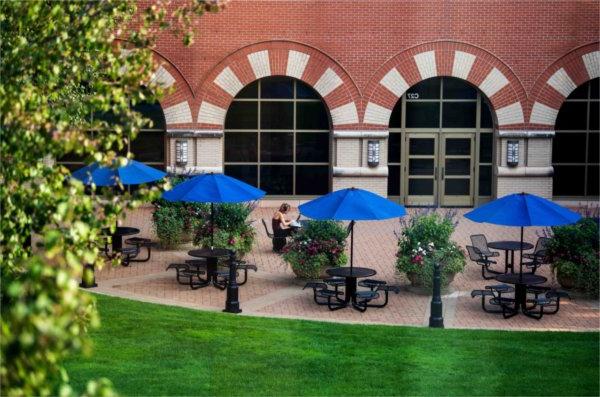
(117, 236)
(212, 259)
(351, 274)
(509, 246)
(521, 281)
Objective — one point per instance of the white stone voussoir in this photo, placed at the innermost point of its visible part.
(511, 114)
(296, 64)
(592, 64)
(328, 82)
(259, 61)
(345, 114)
(493, 82)
(211, 114)
(377, 114)
(229, 82)
(163, 78)
(178, 114)
(463, 62)
(543, 114)
(561, 82)
(394, 82)
(426, 64)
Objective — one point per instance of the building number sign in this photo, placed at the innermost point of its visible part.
(412, 95)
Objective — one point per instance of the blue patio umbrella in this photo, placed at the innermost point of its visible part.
(213, 188)
(523, 209)
(133, 173)
(352, 205)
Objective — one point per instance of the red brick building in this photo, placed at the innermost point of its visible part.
(429, 102)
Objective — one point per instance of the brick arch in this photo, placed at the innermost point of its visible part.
(445, 58)
(557, 82)
(178, 98)
(277, 58)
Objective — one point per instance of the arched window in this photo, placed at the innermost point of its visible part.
(149, 145)
(277, 137)
(575, 146)
(440, 148)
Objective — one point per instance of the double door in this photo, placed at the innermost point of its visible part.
(439, 169)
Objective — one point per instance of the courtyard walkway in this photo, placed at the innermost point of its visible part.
(274, 291)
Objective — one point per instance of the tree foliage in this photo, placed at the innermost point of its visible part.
(64, 67)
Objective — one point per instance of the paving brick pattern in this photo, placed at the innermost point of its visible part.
(274, 290)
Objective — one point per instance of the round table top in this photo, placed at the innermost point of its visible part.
(209, 253)
(510, 245)
(123, 231)
(351, 272)
(525, 278)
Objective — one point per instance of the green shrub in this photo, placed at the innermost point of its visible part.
(573, 251)
(168, 226)
(318, 244)
(425, 240)
(232, 229)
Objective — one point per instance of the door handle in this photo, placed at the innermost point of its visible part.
(443, 174)
(435, 174)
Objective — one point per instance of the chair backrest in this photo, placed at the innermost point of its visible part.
(541, 244)
(267, 229)
(480, 242)
(474, 253)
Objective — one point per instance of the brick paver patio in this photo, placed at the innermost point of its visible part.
(274, 290)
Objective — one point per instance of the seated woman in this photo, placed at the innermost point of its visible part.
(279, 222)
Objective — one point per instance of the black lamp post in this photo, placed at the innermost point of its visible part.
(232, 303)
(88, 277)
(436, 318)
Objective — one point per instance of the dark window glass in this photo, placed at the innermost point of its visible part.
(420, 166)
(485, 180)
(568, 147)
(420, 187)
(245, 173)
(457, 187)
(394, 147)
(241, 146)
(592, 180)
(71, 158)
(276, 147)
(276, 179)
(311, 116)
(277, 87)
(485, 148)
(249, 91)
(458, 89)
(304, 91)
(277, 115)
(486, 115)
(595, 87)
(312, 147)
(593, 147)
(422, 115)
(396, 117)
(458, 147)
(458, 167)
(427, 89)
(149, 147)
(312, 180)
(580, 92)
(421, 146)
(393, 180)
(154, 113)
(569, 180)
(459, 114)
(572, 116)
(594, 114)
(242, 115)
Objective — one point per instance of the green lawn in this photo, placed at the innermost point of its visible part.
(150, 349)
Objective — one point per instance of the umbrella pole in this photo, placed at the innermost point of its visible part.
(212, 225)
(521, 256)
(351, 244)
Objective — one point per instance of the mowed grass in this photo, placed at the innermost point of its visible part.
(148, 349)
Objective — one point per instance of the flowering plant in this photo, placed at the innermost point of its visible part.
(317, 245)
(425, 240)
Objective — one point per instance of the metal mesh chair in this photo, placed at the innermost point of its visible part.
(480, 242)
(476, 256)
(538, 257)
